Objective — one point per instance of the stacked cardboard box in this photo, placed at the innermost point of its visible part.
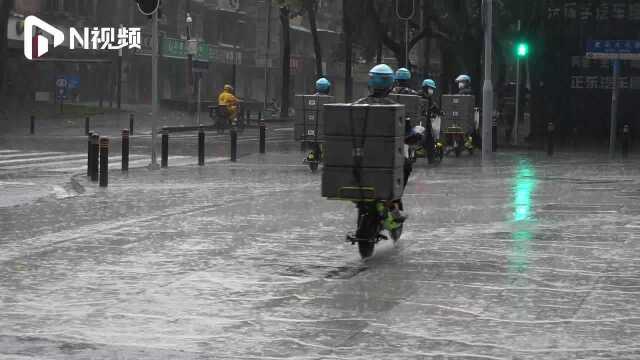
(364, 152)
(414, 107)
(458, 112)
(308, 124)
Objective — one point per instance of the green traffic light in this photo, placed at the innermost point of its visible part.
(523, 49)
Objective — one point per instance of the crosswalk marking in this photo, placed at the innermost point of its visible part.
(16, 155)
(81, 159)
(27, 160)
(74, 162)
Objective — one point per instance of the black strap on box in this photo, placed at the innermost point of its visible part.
(355, 153)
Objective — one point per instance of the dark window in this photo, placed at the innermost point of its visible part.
(70, 6)
(53, 5)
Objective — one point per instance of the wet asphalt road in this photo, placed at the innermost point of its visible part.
(524, 258)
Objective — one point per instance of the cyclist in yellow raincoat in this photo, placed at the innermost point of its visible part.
(230, 102)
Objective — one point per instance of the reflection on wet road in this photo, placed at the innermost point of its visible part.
(525, 259)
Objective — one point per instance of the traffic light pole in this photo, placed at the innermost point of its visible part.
(154, 92)
(517, 118)
(487, 89)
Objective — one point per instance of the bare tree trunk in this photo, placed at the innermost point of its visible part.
(348, 48)
(286, 58)
(311, 7)
(5, 8)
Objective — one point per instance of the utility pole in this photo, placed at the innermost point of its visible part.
(614, 109)
(154, 91)
(487, 88)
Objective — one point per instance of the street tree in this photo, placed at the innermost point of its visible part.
(5, 9)
(311, 9)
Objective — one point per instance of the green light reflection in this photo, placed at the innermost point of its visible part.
(523, 189)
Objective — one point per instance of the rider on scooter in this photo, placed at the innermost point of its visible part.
(431, 110)
(381, 80)
(464, 88)
(228, 101)
(323, 88)
(403, 76)
(464, 85)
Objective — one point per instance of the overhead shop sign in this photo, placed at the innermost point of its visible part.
(177, 49)
(585, 11)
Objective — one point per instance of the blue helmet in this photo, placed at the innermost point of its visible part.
(429, 83)
(323, 85)
(403, 74)
(381, 77)
(463, 78)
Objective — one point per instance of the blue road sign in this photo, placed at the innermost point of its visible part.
(73, 81)
(614, 49)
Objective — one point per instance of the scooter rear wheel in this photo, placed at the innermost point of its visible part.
(366, 248)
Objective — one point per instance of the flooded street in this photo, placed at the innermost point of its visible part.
(525, 258)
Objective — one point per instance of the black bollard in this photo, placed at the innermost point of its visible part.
(263, 135)
(95, 149)
(164, 162)
(104, 161)
(125, 149)
(494, 135)
(201, 146)
(89, 147)
(86, 125)
(626, 141)
(550, 131)
(131, 117)
(234, 144)
(32, 125)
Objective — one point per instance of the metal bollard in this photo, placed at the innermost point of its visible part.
(626, 141)
(494, 135)
(131, 117)
(125, 149)
(234, 144)
(86, 125)
(263, 135)
(104, 161)
(201, 146)
(95, 149)
(89, 158)
(550, 130)
(32, 125)
(164, 162)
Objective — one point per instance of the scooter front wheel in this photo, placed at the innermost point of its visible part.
(396, 234)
